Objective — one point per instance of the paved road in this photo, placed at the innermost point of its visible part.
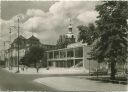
(76, 84)
(18, 82)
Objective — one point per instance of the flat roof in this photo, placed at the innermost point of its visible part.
(69, 48)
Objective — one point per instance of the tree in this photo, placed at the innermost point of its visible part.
(2, 63)
(112, 24)
(87, 33)
(62, 42)
(33, 56)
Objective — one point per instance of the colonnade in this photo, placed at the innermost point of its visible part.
(67, 57)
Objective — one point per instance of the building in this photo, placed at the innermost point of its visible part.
(70, 37)
(66, 39)
(24, 45)
(33, 41)
(48, 47)
(75, 55)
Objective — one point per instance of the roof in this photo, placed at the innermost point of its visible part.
(78, 44)
(20, 37)
(33, 38)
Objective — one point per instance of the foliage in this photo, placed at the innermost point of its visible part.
(87, 34)
(112, 24)
(62, 42)
(33, 56)
(2, 63)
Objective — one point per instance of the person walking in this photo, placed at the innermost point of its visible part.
(37, 68)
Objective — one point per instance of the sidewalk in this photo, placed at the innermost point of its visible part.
(78, 84)
(50, 71)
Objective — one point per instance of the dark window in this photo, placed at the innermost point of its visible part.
(72, 36)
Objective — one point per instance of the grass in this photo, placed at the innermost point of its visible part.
(118, 80)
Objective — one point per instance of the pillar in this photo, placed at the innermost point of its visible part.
(53, 54)
(47, 59)
(83, 57)
(54, 64)
(74, 57)
(66, 58)
(59, 54)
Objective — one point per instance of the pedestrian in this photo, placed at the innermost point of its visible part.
(23, 67)
(26, 67)
(37, 69)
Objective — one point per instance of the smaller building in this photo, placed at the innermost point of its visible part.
(75, 55)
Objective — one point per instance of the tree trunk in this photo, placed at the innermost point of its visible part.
(113, 70)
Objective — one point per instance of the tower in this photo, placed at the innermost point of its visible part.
(70, 37)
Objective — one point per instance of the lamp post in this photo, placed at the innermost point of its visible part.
(11, 57)
(18, 46)
(10, 64)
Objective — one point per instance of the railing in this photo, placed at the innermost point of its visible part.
(68, 58)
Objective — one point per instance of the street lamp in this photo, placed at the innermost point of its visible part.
(18, 21)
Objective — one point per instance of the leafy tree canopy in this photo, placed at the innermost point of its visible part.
(87, 34)
(62, 42)
(33, 56)
(113, 28)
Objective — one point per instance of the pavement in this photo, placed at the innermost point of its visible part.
(20, 82)
(51, 70)
(30, 80)
(80, 84)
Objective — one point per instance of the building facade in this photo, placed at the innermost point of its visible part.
(24, 46)
(75, 55)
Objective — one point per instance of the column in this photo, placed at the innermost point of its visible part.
(54, 64)
(83, 57)
(59, 63)
(59, 54)
(73, 57)
(66, 57)
(47, 59)
(53, 55)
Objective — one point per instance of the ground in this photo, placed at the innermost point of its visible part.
(18, 82)
(77, 83)
(53, 82)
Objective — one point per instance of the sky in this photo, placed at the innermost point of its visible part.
(44, 19)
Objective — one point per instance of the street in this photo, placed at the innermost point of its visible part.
(17, 82)
(80, 84)
(48, 82)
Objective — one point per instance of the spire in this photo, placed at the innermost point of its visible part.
(70, 26)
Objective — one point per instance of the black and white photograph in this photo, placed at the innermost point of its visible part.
(63, 46)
